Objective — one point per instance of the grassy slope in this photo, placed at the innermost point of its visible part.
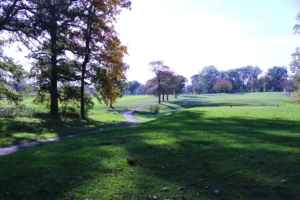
(24, 129)
(245, 152)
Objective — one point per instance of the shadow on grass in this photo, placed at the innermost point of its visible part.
(20, 130)
(193, 156)
(191, 104)
(193, 96)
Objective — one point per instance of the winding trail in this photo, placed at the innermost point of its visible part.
(128, 115)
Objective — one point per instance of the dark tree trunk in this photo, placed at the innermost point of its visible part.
(159, 98)
(110, 105)
(83, 70)
(82, 108)
(167, 97)
(54, 71)
(163, 95)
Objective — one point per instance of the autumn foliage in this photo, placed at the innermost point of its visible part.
(222, 86)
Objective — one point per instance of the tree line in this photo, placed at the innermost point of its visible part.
(72, 44)
(244, 79)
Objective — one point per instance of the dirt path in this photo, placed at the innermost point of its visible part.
(128, 115)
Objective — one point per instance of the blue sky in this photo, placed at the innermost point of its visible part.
(191, 34)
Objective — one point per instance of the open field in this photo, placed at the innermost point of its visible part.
(228, 151)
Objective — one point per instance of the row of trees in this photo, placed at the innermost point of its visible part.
(244, 79)
(165, 81)
(72, 43)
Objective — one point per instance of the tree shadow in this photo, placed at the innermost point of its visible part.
(190, 154)
(191, 104)
(31, 129)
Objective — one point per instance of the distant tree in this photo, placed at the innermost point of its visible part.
(132, 86)
(233, 76)
(151, 86)
(262, 84)
(276, 76)
(189, 89)
(158, 68)
(179, 82)
(141, 90)
(194, 84)
(208, 76)
(222, 86)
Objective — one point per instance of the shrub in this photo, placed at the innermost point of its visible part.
(154, 108)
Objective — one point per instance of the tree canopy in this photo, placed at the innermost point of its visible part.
(71, 41)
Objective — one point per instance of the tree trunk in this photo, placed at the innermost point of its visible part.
(83, 70)
(82, 108)
(110, 105)
(175, 95)
(158, 98)
(167, 97)
(54, 71)
(163, 95)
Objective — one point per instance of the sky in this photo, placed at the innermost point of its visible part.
(191, 34)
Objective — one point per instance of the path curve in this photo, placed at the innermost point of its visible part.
(128, 115)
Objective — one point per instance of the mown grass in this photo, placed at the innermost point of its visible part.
(16, 128)
(103, 112)
(23, 129)
(238, 152)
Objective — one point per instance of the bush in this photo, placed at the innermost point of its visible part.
(154, 108)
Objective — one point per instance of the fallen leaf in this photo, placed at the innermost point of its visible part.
(130, 161)
(115, 175)
(126, 195)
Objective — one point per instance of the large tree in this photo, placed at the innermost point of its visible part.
(295, 64)
(93, 35)
(53, 30)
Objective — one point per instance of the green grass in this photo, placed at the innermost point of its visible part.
(244, 152)
(23, 129)
(103, 112)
